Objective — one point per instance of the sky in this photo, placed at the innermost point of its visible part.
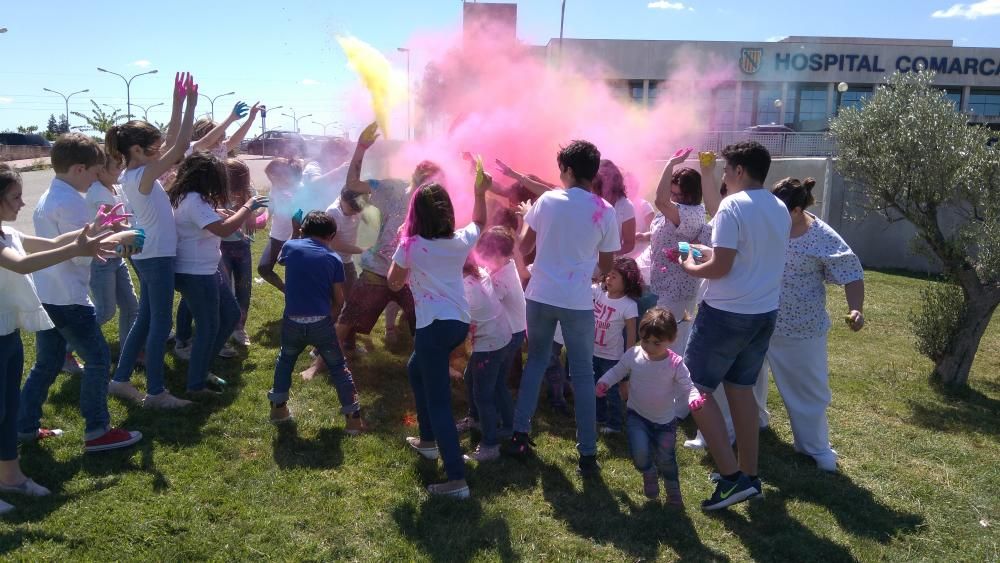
(286, 54)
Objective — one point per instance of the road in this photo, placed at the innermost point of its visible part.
(35, 184)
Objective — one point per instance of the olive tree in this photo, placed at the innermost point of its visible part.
(913, 156)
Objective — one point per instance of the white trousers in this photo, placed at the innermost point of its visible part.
(801, 374)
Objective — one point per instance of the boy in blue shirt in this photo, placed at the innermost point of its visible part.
(314, 278)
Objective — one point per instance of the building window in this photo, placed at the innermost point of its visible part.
(635, 91)
(853, 97)
(807, 107)
(723, 107)
(954, 95)
(984, 102)
(654, 90)
(745, 116)
(767, 112)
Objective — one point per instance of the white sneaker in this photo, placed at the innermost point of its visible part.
(182, 350)
(228, 351)
(125, 391)
(164, 400)
(827, 462)
(241, 337)
(698, 443)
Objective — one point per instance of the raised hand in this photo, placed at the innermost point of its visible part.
(109, 217)
(254, 110)
(257, 202)
(505, 170)
(240, 110)
(93, 246)
(369, 135)
(680, 156)
(191, 91)
(180, 89)
(707, 159)
(483, 180)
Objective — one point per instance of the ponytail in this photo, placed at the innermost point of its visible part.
(121, 138)
(795, 194)
(111, 144)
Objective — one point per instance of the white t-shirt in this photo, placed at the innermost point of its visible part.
(98, 195)
(609, 323)
(507, 285)
(624, 210)
(20, 307)
(60, 210)
(653, 384)
(197, 248)
(153, 214)
(347, 227)
(571, 227)
(281, 213)
(490, 329)
(436, 274)
(644, 214)
(756, 224)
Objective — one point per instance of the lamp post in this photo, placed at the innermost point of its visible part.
(128, 87)
(297, 119)
(407, 51)
(325, 125)
(145, 110)
(211, 102)
(263, 128)
(562, 19)
(65, 97)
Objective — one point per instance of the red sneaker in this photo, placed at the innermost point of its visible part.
(112, 439)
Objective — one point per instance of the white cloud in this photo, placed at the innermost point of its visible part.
(6, 100)
(982, 9)
(309, 82)
(665, 5)
(141, 63)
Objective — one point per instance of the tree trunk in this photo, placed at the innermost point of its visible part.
(954, 367)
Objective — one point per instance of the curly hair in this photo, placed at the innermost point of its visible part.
(202, 173)
(629, 271)
(609, 182)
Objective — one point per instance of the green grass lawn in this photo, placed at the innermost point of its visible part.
(919, 472)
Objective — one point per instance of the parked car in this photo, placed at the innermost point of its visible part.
(24, 140)
(278, 143)
(770, 128)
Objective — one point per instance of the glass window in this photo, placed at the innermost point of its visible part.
(723, 107)
(854, 96)
(744, 118)
(811, 103)
(654, 90)
(635, 90)
(954, 96)
(984, 102)
(767, 112)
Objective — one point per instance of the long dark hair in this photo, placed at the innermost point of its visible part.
(431, 213)
(120, 138)
(240, 185)
(794, 193)
(202, 173)
(629, 271)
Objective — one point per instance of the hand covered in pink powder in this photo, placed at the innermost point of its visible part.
(680, 156)
(697, 403)
(109, 216)
(601, 390)
(506, 170)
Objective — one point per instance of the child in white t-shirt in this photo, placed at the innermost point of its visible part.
(285, 175)
(615, 315)
(657, 376)
(491, 333)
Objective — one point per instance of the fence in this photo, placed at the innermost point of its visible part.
(22, 152)
(778, 144)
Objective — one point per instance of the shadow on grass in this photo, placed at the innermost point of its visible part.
(268, 335)
(957, 410)
(770, 533)
(452, 530)
(322, 452)
(596, 514)
(19, 537)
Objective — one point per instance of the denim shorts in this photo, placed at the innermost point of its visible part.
(727, 347)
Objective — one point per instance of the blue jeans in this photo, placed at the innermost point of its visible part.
(215, 312)
(152, 326)
(578, 332)
(11, 364)
(556, 378)
(727, 347)
(652, 444)
(610, 409)
(428, 371)
(111, 288)
(237, 265)
(77, 326)
(490, 393)
(321, 335)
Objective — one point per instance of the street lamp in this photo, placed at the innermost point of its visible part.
(407, 51)
(145, 110)
(263, 127)
(128, 86)
(65, 97)
(297, 119)
(211, 102)
(325, 125)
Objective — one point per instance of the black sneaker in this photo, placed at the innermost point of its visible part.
(729, 492)
(588, 466)
(520, 445)
(755, 482)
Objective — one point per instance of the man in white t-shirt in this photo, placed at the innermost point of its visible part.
(572, 231)
(735, 320)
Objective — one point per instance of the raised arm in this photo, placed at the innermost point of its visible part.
(533, 183)
(233, 143)
(43, 253)
(663, 202)
(217, 133)
(175, 114)
(365, 141)
(189, 90)
(483, 184)
(709, 188)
